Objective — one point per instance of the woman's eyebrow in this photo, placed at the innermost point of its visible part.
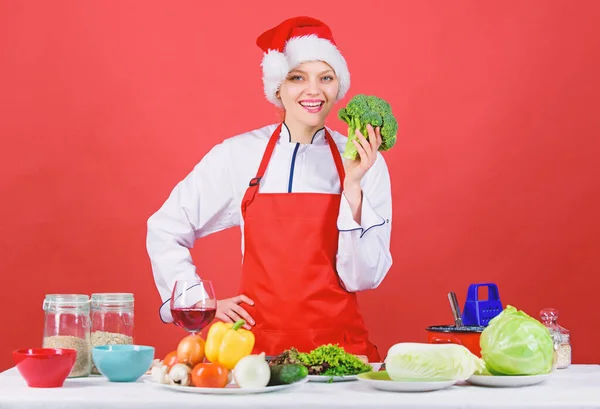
(304, 72)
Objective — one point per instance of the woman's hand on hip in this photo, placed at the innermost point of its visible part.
(230, 310)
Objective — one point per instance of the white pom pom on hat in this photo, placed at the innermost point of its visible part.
(294, 41)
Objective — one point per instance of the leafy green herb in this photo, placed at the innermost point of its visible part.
(332, 360)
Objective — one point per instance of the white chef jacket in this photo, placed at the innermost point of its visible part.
(209, 199)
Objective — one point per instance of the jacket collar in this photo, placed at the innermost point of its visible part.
(317, 139)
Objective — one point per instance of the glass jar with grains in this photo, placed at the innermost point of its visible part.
(560, 335)
(67, 325)
(112, 320)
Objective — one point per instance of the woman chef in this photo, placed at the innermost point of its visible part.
(315, 230)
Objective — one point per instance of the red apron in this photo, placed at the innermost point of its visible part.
(289, 269)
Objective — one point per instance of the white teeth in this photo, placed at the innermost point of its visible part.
(310, 104)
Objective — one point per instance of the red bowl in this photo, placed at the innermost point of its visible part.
(44, 367)
(468, 336)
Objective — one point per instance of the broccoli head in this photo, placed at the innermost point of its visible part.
(362, 110)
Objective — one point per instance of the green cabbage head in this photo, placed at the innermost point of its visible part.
(413, 361)
(513, 343)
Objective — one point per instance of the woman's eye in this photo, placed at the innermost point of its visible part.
(295, 78)
(328, 78)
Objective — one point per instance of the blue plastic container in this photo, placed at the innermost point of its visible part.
(123, 363)
(479, 312)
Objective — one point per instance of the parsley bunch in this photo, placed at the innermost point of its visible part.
(332, 360)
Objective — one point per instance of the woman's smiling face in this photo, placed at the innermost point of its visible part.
(308, 93)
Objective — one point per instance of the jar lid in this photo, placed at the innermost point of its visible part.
(66, 301)
(113, 296)
(111, 299)
(68, 298)
(549, 315)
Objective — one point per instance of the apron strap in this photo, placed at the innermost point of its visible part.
(254, 182)
(266, 158)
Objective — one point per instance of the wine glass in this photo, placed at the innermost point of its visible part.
(193, 304)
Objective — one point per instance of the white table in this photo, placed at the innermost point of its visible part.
(576, 387)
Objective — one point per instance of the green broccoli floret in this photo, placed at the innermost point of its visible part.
(368, 109)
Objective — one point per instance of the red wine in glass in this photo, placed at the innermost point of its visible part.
(193, 319)
(193, 304)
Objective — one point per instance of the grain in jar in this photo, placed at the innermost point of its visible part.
(112, 320)
(67, 325)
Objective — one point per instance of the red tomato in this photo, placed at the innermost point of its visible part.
(210, 375)
(190, 350)
(170, 359)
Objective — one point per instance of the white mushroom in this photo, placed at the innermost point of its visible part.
(160, 374)
(180, 375)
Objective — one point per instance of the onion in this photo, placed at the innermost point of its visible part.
(252, 371)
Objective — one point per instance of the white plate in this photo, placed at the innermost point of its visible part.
(325, 378)
(389, 385)
(231, 389)
(345, 378)
(507, 381)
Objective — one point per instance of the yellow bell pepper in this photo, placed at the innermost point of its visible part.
(227, 343)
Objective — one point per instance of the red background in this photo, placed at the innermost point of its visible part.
(105, 106)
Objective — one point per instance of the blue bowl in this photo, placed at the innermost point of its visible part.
(123, 363)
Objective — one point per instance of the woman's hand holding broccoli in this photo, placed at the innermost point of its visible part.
(371, 127)
(367, 154)
(356, 169)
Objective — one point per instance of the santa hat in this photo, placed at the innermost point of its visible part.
(294, 41)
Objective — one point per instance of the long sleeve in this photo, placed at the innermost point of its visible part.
(364, 256)
(201, 204)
